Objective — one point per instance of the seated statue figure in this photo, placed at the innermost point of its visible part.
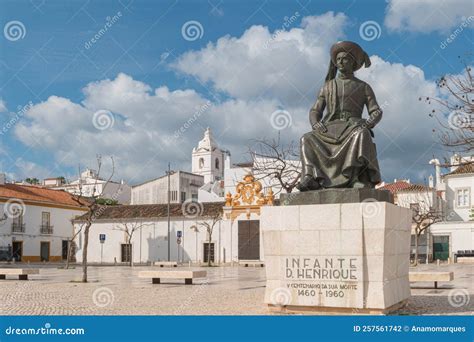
(339, 151)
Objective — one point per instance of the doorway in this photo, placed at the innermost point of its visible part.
(17, 250)
(64, 249)
(126, 252)
(207, 252)
(441, 247)
(249, 240)
(44, 251)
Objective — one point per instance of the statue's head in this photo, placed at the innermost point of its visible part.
(345, 62)
(347, 57)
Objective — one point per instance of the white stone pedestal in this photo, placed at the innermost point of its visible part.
(345, 258)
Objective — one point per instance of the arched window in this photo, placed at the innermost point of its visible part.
(217, 163)
(201, 163)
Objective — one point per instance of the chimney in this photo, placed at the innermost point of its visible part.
(437, 165)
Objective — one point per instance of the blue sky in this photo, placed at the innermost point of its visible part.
(146, 46)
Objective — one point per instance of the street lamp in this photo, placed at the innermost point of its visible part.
(168, 173)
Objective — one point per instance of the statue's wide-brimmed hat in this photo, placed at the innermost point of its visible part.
(360, 56)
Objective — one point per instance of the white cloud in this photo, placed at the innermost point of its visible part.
(282, 65)
(258, 80)
(29, 169)
(3, 106)
(144, 122)
(427, 15)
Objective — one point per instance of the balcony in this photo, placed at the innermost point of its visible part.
(46, 229)
(18, 227)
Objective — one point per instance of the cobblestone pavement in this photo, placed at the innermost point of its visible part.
(227, 291)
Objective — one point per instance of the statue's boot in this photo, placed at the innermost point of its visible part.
(308, 183)
(359, 185)
(362, 181)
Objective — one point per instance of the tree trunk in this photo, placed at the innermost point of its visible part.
(69, 247)
(416, 249)
(84, 251)
(209, 251)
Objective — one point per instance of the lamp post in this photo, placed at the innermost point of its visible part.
(168, 209)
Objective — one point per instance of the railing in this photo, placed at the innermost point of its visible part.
(18, 227)
(46, 229)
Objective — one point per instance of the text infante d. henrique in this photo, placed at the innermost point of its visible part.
(321, 268)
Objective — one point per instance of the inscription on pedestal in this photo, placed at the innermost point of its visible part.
(320, 279)
(325, 268)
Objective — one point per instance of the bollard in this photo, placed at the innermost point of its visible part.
(437, 262)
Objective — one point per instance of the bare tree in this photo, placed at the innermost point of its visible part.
(70, 243)
(275, 160)
(426, 211)
(422, 221)
(94, 209)
(458, 107)
(129, 228)
(209, 226)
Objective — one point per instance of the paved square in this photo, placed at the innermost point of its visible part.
(117, 290)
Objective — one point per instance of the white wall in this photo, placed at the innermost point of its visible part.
(117, 191)
(60, 220)
(461, 234)
(426, 199)
(156, 191)
(150, 242)
(454, 182)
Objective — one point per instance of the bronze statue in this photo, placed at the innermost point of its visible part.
(339, 151)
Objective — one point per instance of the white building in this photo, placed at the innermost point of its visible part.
(36, 224)
(183, 186)
(451, 196)
(90, 184)
(236, 237)
(456, 232)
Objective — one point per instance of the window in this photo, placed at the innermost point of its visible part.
(174, 195)
(194, 196)
(46, 227)
(17, 216)
(217, 163)
(17, 225)
(183, 196)
(201, 163)
(462, 197)
(45, 219)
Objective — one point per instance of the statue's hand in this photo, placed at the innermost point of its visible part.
(374, 118)
(320, 127)
(367, 124)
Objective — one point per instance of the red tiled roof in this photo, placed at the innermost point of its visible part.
(395, 187)
(462, 169)
(37, 194)
(417, 187)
